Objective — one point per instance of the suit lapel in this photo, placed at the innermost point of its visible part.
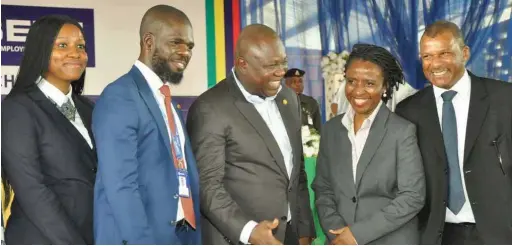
(147, 95)
(289, 110)
(478, 107)
(433, 125)
(377, 132)
(345, 154)
(72, 134)
(85, 112)
(253, 117)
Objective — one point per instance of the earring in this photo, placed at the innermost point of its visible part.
(385, 95)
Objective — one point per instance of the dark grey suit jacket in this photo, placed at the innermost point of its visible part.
(241, 169)
(381, 207)
(488, 183)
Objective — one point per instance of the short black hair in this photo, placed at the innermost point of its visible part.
(38, 50)
(391, 68)
(155, 14)
(443, 26)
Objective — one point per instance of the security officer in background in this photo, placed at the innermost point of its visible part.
(310, 108)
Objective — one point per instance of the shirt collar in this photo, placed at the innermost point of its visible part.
(462, 87)
(250, 97)
(348, 118)
(152, 79)
(53, 93)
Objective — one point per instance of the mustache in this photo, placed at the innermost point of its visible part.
(183, 59)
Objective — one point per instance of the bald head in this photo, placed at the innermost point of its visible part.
(254, 37)
(166, 42)
(260, 61)
(158, 16)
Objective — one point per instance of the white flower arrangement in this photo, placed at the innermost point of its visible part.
(333, 72)
(310, 141)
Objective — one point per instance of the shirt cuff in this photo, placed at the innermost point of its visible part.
(246, 231)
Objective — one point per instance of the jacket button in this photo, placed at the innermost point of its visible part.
(444, 203)
(446, 170)
(227, 240)
(284, 218)
(94, 170)
(125, 242)
(354, 199)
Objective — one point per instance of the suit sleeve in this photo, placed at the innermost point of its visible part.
(208, 139)
(20, 160)
(400, 110)
(115, 125)
(306, 224)
(317, 117)
(410, 196)
(325, 201)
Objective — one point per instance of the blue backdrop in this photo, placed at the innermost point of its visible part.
(311, 30)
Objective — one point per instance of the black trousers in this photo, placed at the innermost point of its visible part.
(461, 234)
(290, 237)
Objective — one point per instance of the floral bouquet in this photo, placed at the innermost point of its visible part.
(333, 72)
(310, 141)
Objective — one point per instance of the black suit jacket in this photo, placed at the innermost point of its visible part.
(51, 169)
(310, 108)
(242, 171)
(488, 133)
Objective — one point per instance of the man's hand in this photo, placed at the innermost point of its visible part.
(262, 233)
(343, 237)
(305, 240)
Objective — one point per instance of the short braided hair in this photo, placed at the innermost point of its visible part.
(391, 68)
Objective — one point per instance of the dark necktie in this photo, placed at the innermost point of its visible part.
(455, 190)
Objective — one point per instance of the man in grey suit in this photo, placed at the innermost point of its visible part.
(245, 133)
(369, 181)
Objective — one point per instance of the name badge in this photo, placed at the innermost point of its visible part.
(183, 187)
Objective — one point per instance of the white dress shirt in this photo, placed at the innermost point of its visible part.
(269, 111)
(358, 139)
(155, 83)
(461, 107)
(60, 98)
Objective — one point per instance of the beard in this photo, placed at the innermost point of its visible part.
(162, 69)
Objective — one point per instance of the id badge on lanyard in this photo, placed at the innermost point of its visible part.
(181, 171)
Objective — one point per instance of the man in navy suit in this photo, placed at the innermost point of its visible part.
(147, 185)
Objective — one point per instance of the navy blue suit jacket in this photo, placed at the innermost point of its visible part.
(135, 197)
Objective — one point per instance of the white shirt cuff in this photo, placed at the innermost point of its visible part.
(246, 232)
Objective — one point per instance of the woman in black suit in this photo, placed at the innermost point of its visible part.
(48, 154)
